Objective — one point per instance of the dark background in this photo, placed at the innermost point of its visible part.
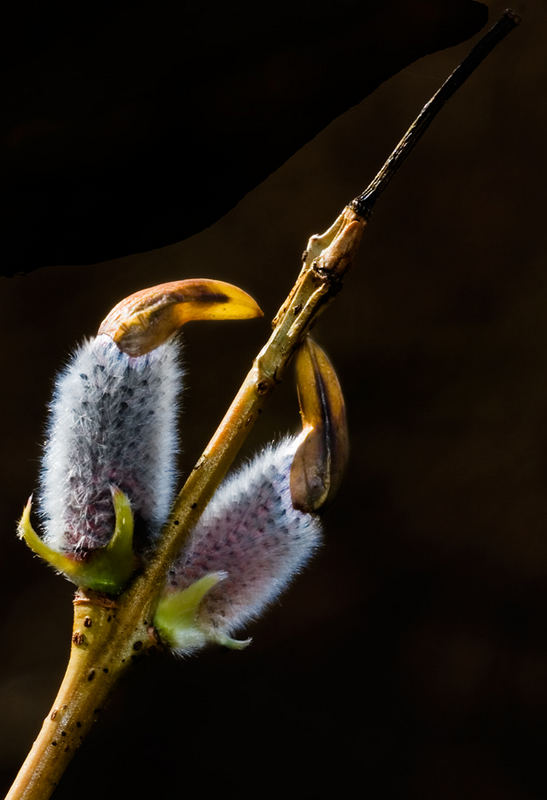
(410, 659)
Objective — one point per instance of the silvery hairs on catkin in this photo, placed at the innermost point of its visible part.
(251, 531)
(113, 421)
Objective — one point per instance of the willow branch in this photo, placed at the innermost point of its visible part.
(109, 634)
(364, 203)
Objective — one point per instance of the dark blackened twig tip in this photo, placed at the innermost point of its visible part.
(363, 204)
(511, 15)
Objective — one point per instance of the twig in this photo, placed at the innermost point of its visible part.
(506, 23)
(109, 634)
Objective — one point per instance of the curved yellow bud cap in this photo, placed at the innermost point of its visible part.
(146, 319)
(322, 455)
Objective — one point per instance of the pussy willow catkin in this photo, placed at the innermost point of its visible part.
(112, 423)
(251, 532)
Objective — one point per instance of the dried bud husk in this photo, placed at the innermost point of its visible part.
(146, 319)
(322, 455)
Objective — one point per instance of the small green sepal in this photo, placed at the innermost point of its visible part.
(106, 569)
(177, 618)
(227, 641)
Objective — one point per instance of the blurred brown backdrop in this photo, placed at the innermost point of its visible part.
(411, 657)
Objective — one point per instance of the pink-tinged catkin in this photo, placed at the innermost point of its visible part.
(113, 421)
(250, 531)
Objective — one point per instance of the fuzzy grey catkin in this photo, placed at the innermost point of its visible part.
(251, 531)
(113, 421)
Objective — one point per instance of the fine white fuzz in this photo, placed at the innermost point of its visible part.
(251, 532)
(112, 422)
